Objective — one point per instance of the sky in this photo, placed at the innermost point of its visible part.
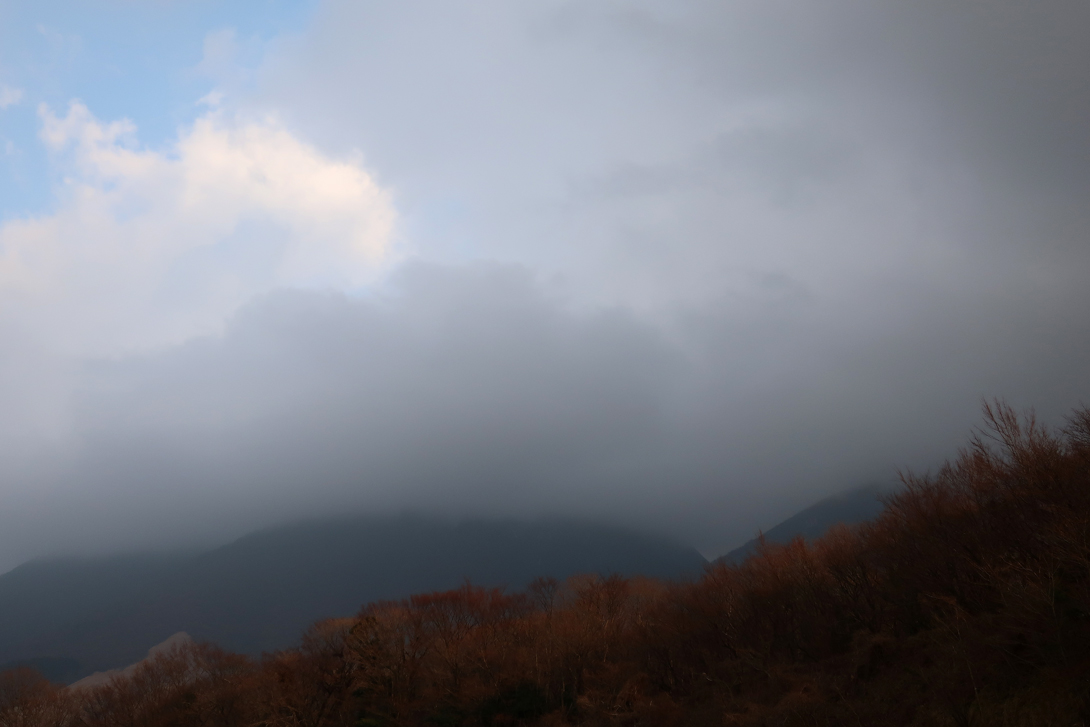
(686, 266)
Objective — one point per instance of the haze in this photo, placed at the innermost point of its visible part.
(687, 266)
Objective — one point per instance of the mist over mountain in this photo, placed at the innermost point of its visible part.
(601, 286)
(682, 265)
(260, 592)
(68, 617)
(965, 600)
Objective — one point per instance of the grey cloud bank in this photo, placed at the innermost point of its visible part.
(689, 266)
(469, 392)
(656, 151)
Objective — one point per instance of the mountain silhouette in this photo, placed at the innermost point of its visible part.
(849, 508)
(72, 617)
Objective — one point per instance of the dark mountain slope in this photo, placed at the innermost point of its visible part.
(58, 671)
(66, 598)
(851, 507)
(261, 591)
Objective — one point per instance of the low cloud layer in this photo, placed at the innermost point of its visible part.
(474, 391)
(688, 266)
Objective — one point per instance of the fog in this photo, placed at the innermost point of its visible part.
(685, 266)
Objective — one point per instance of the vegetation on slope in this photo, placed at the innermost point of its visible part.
(851, 507)
(965, 603)
(261, 592)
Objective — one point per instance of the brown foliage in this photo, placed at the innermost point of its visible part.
(966, 603)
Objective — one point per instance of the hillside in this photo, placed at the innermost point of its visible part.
(851, 507)
(73, 617)
(966, 602)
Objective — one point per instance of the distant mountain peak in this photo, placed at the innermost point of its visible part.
(260, 592)
(850, 507)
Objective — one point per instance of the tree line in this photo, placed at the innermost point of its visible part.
(967, 602)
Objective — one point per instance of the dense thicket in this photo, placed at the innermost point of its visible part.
(966, 603)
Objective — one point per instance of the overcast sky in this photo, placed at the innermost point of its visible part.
(686, 265)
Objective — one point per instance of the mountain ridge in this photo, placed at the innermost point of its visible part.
(850, 507)
(260, 591)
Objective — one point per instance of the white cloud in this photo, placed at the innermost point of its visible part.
(9, 96)
(212, 99)
(148, 248)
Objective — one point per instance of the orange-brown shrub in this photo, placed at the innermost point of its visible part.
(967, 602)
